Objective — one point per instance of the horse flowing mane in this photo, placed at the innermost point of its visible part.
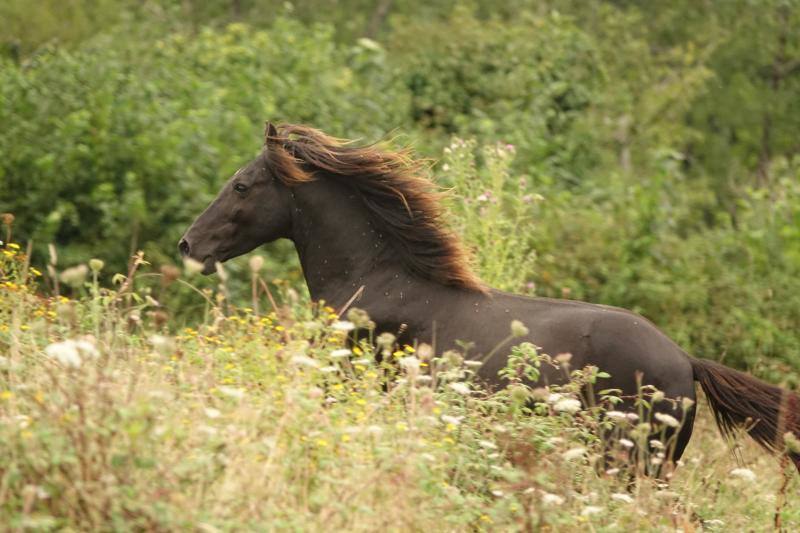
(393, 188)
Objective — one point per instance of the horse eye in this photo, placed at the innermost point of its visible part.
(240, 188)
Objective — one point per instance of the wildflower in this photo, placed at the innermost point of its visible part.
(358, 317)
(621, 497)
(162, 344)
(410, 364)
(552, 499)
(96, 265)
(564, 358)
(304, 360)
(212, 413)
(74, 276)
(425, 352)
(343, 325)
(6, 395)
(498, 493)
(232, 392)
(454, 420)
(567, 405)
(192, 266)
(71, 353)
(590, 510)
(626, 443)
(616, 415)
(573, 454)
(489, 445)
(518, 329)
(385, 340)
(667, 420)
(461, 388)
(657, 444)
(256, 263)
(744, 473)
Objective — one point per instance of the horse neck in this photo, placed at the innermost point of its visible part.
(339, 247)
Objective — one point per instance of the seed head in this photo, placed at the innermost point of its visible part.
(96, 265)
(518, 329)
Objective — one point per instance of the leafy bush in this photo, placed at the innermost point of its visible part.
(100, 150)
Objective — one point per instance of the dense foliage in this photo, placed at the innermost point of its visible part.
(647, 154)
(264, 418)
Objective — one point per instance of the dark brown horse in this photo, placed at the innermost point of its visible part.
(361, 216)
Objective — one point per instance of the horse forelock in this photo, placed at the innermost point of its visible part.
(394, 190)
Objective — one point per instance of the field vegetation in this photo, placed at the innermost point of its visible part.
(629, 153)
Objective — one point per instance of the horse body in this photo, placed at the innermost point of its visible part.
(364, 224)
(342, 251)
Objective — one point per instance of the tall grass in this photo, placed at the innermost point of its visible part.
(275, 417)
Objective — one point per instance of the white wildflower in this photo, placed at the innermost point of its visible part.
(231, 392)
(212, 413)
(343, 325)
(573, 453)
(461, 388)
(340, 353)
(554, 397)
(621, 497)
(162, 344)
(590, 510)
(363, 361)
(410, 364)
(567, 405)
(498, 493)
(329, 369)
(656, 444)
(455, 420)
(71, 353)
(667, 420)
(489, 445)
(744, 473)
(616, 415)
(304, 360)
(552, 499)
(626, 443)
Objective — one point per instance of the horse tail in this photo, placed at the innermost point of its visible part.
(737, 399)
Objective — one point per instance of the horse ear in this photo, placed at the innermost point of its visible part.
(270, 133)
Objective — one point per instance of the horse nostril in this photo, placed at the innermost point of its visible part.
(183, 246)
